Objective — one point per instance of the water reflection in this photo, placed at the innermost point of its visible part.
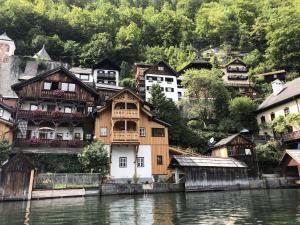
(239, 207)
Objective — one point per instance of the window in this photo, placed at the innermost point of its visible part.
(43, 136)
(1, 112)
(59, 136)
(77, 136)
(159, 79)
(51, 108)
(88, 136)
(33, 107)
(169, 80)
(272, 116)
(103, 132)
(286, 111)
(158, 132)
(263, 120)
(142, 132)
(248, 151)
(168, 89)
(179, 94)
(68, 109)
(161, 68)
(84, 76)
(140, 161)
(90, 109)
(68, 87)
(159, 160)
(80, 109)
(47, 85)
(123, 162)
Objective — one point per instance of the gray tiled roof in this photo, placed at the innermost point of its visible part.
(226, 140)
(290, 90)
(207, 161)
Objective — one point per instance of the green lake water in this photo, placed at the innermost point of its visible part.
(232, 207)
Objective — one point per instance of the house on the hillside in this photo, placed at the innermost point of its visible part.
(136, 140)
(54, 113)
(290, 163)
(197, 64)
(106, 73)
(236, 78)
(209, 173)
(283, 101)
(159, 73)
(271, 76)
(6, 122)
(240, 148)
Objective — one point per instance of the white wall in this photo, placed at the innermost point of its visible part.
(164, 84)
(278, 110)
(64, 130)
(129, 152)
(43, 106)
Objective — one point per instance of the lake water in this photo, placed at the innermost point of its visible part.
(236, 207)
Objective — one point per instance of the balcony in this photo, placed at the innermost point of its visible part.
(292, 136)
(54, 94)
(23, 142)
(125, 136)
(125, 113)
(39, 114)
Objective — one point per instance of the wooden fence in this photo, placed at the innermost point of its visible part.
(66, 180)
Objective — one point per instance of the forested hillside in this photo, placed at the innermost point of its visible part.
(82, 32)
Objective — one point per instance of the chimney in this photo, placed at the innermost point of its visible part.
(277, 86)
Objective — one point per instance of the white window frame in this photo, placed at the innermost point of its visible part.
(70, 87)
(90, 109)
(122, 162)
(140, 162)
(84, 75)
(142, 132)
(103, 131)
(67, 107)
(46, 87)
(160, 68)
(34, 108)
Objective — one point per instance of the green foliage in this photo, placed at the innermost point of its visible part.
(128, 83)
(94, 158)
(242, 112)
(5, 150)
(269, 153)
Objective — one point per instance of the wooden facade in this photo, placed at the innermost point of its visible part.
(240, 148)
(58, 102)
(6, 130)
(123, 118)
(290, 163)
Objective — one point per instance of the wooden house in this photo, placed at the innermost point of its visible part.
(240, 148)
(6, 122)
(271, 76)
(158, 73)
(209, 173)
(136, 140)
(197, 64)
(54, 113)
(290, 163)
(236, 78)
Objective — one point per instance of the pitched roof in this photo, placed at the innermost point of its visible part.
(197, 63)
(49, 73)
(4, 37)
(271, 73)
(6, 107)
(205, 161)
(43, 54)
(228, 139)
(165, 63)
(294, 154)
(236, 60)
(290, 91)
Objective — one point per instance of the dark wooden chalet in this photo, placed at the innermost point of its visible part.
(209, 173)
(240, 148)
(290, 163)
(54, 113)
(197, 64)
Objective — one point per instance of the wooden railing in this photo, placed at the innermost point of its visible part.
(291, 136)
(53, 143)
(125, 136)
(125, 113)
(51, 94)
(51, 115)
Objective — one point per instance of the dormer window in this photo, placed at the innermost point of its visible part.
(161, 68)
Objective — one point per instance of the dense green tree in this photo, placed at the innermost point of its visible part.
(5, 150)
(128, 83)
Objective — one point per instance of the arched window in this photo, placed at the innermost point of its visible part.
(119, 126)
(131, 106)
(131, 126)
(120, 105)
(272, 116)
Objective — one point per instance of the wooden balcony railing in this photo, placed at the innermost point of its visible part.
(291, 136)
(125, 136)
(50, 143)
(125, 113)
(51, 94)
(38, 114)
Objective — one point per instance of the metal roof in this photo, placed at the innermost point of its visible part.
(290, 90)
(294, 154)
(205, 161)
(226, 140)
(43, 54)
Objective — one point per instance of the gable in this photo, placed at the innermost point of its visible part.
(236, 62)
(156, 69)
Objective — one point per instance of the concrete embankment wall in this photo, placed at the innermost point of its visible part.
(116, 189)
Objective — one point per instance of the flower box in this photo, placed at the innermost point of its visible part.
(74, 143)
(34, 141)
(55, 143)
(56, 113)
(76, 114)
(58, 93)
(37, 112)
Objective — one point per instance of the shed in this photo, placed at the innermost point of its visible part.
(209, 173)
(16, 178)
(239, 147)
(290, 163)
